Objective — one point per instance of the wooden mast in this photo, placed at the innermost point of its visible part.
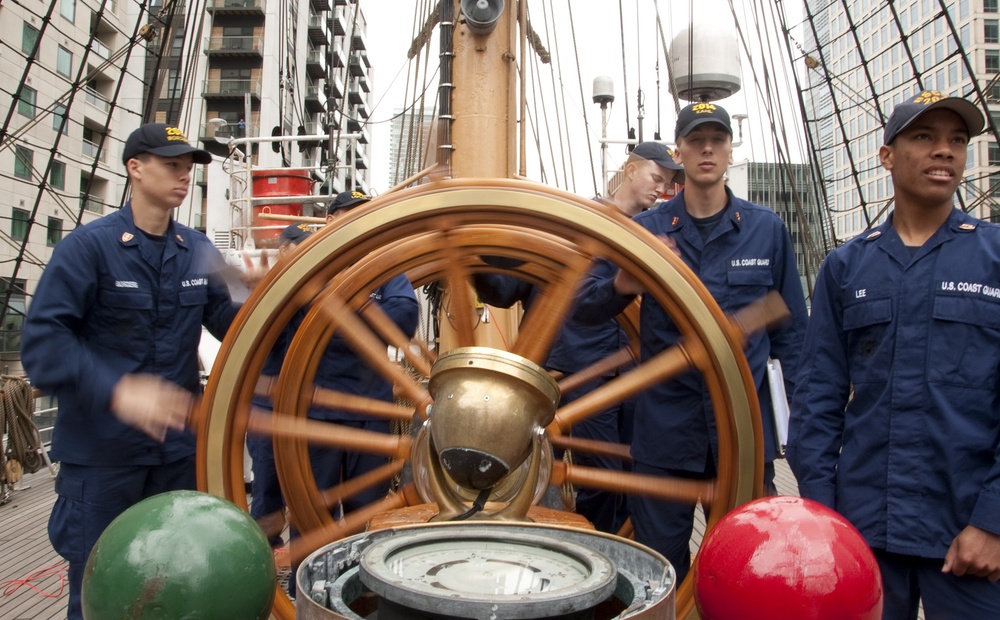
(483, 139)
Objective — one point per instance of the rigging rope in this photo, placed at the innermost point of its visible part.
(583, 99)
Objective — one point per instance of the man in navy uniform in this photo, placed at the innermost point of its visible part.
(648, 172)
(740, 251)
(112, 332)
(907, 317)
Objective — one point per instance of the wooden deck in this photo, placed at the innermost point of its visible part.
(25, 548)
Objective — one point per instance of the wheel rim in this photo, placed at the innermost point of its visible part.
(437, 232)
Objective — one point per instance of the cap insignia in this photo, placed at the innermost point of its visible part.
(127, 236)
(703, 108)
(929, 96)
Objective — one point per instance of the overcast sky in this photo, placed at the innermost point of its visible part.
(598, 27)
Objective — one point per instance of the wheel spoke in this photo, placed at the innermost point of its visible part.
(542, 323)
(369, 346)
(333, 399)
(329, 434)
(665, 365)
(384, 327)
(349, 488)
(658, 487)
(601, 368)
(591, 446)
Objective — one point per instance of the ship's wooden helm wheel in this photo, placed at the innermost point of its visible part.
(439, 232)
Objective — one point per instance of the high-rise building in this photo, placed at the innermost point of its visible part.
(865, 58)
(411, 146)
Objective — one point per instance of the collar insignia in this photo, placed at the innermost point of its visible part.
(966, 226)
(127, 236)
(875, 234)
(738, 217)
(675, 221)
(180, 239)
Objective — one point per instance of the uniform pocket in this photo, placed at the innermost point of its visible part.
(964, 341)
(866, 325)
(748, 284)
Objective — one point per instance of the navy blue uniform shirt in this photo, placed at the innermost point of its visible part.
(914, 455)
(109, 303)
(748, 254)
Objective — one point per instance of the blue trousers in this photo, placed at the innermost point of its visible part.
(90, 498)
(666, 526)
(907, 580)
(266, 497)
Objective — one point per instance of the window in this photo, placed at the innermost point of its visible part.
(29, 36)
(19, 224)
(67, 8)
(57, 175)
(26, 103)
(22, 162)
(992, 61)
(989, 6)
(172, 85)
(53, 233)
(994, 154)
(10, 339)
(64, 62)
(60, 120)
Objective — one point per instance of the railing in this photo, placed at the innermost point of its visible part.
(234, 4)
(95, 99)
(92, 150)
(101, 49)
(92, 204)
(234, 44)
(232, 87)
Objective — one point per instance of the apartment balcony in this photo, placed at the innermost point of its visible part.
(241, 46)
(91, 203)
(92, 151)
(336, 86)
(358, 41)
(235, 7)
(318, 32)
(315, 129)
(364, 85)
(231, 89)
(320, 5)
(353, 125)
(337, 57)
(96, 99)
(100, 50)
(316, 63)
(227, 132)
(340, 20)
(359, 65)
(354, 94)
(360, 159)
(315, 99)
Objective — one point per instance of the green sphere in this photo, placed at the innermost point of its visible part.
(181, 555)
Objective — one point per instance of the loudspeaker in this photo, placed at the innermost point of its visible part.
(481, 15)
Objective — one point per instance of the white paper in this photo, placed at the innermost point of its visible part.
(779, 403)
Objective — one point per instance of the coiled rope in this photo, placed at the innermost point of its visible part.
(17, 424)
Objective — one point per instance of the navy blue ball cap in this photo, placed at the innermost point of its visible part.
(910, 110)
(346, 200)
(696, 114)
(163, 140)
(294, 233)
(656, 152)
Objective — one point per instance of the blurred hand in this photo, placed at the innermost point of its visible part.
(151, 404)
(974, 552)
(253, 274)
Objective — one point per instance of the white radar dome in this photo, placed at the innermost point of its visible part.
(705, 66)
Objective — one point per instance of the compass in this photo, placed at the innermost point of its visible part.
(487, 574)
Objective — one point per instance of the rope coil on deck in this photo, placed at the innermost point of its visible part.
(17, 409)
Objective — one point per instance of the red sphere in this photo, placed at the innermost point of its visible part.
(786, 557)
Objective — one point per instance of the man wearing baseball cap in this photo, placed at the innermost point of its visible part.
(896, 418)
(648, 172)
(344, 202)
(112, 332)
(741, 251)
